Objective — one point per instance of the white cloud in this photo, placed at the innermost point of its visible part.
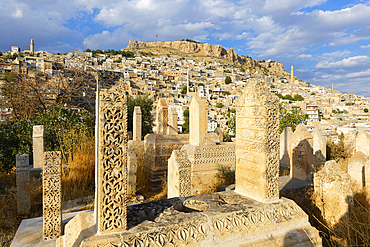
(365, 46)
(347, 62)
(359, 74)
(18, 14)
(305, 56)
(335, 54)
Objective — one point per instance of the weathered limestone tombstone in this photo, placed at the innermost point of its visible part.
(162, 116)
(301, 154)
(179, 174)
(172, 121)
(363, 143)
(333, 193)
(319, 148)
(137, 124)
(284, 146)
(192, 168)
(350, 142)
(197, 121)
(257, 143)
(131, 171)
(38, 146)
(23, 183)
(356, 169)
(112, 167)
(52, 195)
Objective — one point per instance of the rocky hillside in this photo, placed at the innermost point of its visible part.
(209, 50)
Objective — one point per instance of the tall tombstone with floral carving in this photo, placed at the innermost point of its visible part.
(112, 166)
(52, 195)
(257, 143)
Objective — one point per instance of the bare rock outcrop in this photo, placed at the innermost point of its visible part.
(207, 49)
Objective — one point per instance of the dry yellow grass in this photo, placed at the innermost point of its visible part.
(78, 180)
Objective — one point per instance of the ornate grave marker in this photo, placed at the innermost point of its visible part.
(112, 171)
(257, 143)
(52, 195)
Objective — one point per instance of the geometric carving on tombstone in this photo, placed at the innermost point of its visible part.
(52, 195)
(257, 143)
(23, 183)
(179, 174)
(112, 170)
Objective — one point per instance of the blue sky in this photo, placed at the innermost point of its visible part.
(326, 41)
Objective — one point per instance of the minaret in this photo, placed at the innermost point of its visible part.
(291, 75)
(187, 77)
(332, 86)
(32, 47)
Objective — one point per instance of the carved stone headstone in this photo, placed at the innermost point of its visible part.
(179, 174)
(112, 170)
(137, 124)
(363, 143)
(333, 193)
(131, 170)
(172, 121)
(23, 183)
(162, 116)
(257, 143)
(356, 169)
(301, 154)
(284, 146)
(350, 142)
(197, 121)
(319, 148)
(38, 146)
(52, 195)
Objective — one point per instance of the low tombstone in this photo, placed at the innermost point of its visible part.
(38, 146)
(52, 195)
(131, 171)
(172, 121)
(350, 142)
(333, 193)
(363, 143)
(319, 148)
(356, 169)
(179, 174)
(23, 184)
(301, 154)
(284, 146)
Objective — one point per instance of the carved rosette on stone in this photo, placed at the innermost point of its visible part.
(257, 143)
(112, 171)
(52, 195)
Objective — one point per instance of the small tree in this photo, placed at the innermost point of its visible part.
(298, 97)
(291, 118)
(184, 91)
(230, 125)
(272, 86)
(185, 126)
(228, 80)
(146, 105)
(219, 105)
(366, 110)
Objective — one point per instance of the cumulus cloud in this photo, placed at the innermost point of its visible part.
(305, 56)
(359, 74)
(18, 14)
(365, 46)
(347, 62)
